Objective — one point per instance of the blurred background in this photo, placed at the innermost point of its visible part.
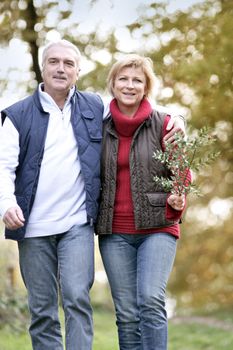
(190, 43)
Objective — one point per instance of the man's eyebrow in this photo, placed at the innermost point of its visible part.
(71, 60)
(53, 58)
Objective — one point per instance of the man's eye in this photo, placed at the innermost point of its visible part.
(70, 64)
(52, 61)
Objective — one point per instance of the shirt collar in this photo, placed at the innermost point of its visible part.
(48, 102)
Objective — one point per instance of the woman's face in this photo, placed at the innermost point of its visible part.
(129, 87)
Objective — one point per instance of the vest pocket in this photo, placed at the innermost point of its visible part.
(157, 199)
(94, 130)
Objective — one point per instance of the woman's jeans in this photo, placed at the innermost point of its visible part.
(67, 260)
(138, 268)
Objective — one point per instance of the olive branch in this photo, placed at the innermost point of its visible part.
(183, 155)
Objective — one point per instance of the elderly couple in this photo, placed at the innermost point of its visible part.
(67, 172)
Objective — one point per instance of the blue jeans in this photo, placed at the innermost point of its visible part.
(65, 260)
(138, 268)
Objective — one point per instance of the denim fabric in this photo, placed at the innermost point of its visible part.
(67, 260)
(138, 268)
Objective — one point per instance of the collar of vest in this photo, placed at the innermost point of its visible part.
(38, 104)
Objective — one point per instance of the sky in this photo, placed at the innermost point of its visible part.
(121, 12)
(109, 13)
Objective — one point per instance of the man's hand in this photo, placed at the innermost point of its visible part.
(175, 124)
(13, 218)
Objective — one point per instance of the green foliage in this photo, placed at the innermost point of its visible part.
(13, 311)
(193, 60)
(182, 155)
(203, 272)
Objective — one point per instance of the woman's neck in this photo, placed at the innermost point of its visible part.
(128, 111)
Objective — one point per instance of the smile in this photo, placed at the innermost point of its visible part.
(59, 78)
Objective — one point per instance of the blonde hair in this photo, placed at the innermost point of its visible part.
(137, 61)
(64, 43)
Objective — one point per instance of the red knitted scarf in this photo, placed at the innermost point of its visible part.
(126, 125)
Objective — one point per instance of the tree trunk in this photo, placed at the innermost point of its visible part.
(31, 37)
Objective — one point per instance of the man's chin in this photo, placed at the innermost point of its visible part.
(61, 87)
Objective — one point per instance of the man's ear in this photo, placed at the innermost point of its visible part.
(78, 71)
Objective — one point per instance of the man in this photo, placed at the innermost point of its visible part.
(49, 161)
(49, 188)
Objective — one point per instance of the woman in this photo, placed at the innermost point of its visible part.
(138, 223)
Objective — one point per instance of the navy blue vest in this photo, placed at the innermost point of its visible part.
(31, 121)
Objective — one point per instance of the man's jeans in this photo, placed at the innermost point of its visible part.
(67, 260)
(138, 268)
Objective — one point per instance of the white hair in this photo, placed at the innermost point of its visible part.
(64, 43)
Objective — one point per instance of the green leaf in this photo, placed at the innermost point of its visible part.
(193, 153)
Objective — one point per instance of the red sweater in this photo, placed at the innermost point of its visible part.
(123, 218)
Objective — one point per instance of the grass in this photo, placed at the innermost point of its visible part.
(105, 337)
(105, 334)
(199, 337)
(12, 341)
(182, 336)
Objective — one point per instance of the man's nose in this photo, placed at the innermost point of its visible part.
(60, 66)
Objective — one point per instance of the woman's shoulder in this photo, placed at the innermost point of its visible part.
(160, 117)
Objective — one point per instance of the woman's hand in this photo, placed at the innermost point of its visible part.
(176, 201)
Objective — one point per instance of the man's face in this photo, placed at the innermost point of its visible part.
(60, 70)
